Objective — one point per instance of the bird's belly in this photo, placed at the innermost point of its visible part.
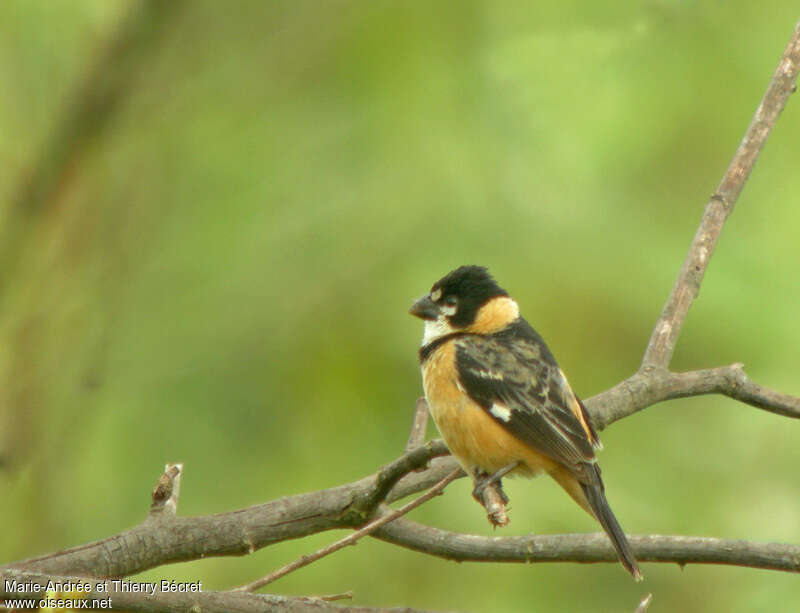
(476, 440)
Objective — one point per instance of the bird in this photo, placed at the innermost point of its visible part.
(500, 400)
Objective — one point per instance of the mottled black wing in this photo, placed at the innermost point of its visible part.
(515, 378)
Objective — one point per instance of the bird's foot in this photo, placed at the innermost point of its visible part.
(488, 491)
(483, 480)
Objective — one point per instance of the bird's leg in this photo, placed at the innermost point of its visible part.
(480, 479)
(488, 491)
(483, 480)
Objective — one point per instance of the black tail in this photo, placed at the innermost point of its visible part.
(596, 497)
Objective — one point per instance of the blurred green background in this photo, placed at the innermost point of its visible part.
(215, 264)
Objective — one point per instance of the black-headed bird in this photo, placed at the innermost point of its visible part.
(499, 399)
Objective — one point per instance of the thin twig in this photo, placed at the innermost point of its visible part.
(644, 604)
(745, 390)
(489, 493)
(352, 538)
(418, 425)
(665, 333)
(167, 491)
(348, 595)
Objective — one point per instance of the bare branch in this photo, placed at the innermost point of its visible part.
(594, 547)
(167, 491)
(665, 334)
(331, 597)
(742, 388)
(417, 481)
(175, 538)
(647, 388)
(418, 426)
(388, 476)
(493, 499)
(354, 537)
(644, 604)
(240, 532)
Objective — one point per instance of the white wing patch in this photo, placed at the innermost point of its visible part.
(488, 374)
(501, 411)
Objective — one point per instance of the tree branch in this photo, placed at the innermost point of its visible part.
(174, 539)
(167, 491)
(351, 539)
(665, 334)
(163, 538)
(419, 425)
(646, 388)
(588, 548)
(644, 604)
(654, 382)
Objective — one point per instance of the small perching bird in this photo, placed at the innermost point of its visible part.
(499, 399)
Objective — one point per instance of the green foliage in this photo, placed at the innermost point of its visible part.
(223, 277)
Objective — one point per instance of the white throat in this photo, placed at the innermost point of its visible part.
(435, 329)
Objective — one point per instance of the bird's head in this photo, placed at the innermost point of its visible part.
(466, 300)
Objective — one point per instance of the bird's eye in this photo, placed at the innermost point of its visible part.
(449, 307)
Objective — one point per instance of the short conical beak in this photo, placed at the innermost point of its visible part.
(425, 308)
